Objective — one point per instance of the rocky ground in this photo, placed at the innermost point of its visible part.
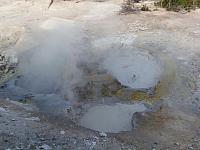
(174, 37)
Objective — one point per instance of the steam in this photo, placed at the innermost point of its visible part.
(60, 48)
(52, 65)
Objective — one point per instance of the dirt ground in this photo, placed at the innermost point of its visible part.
(172, 36)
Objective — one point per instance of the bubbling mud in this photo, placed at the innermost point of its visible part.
(135, 70)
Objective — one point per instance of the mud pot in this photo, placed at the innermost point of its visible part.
(55, 74)
(136, 86)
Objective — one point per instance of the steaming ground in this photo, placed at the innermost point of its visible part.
(57, 54)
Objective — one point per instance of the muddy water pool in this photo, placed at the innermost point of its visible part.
(130, 69)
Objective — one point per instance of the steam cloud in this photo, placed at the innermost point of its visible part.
(52, 65)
